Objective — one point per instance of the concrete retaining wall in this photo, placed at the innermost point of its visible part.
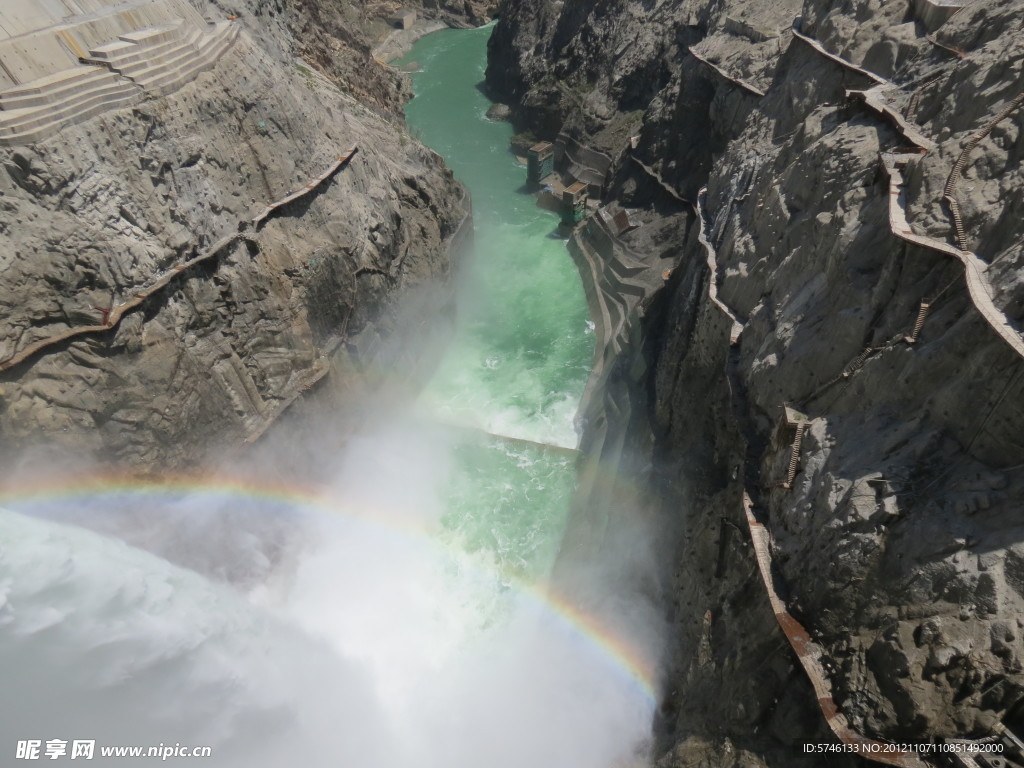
(934, 13)
(41, 37)
(584, 164)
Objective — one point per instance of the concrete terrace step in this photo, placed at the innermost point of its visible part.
(157, 60)
(219, 41)
(173, 71)
(133, 54)
(142, 39)
(164, 79)
(171, 59)
(216, 43)
(150, 36)
(139, 57)
(112, 50)
(622, 285)
(60, 92)
(223, 33)
(42, 131)
(142, 57)
(17, 120)
(62, 79)
(207, 59)
(14, 122)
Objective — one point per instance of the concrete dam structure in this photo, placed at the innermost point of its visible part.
(69, 61)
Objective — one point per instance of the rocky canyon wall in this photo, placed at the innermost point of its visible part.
(834, 336)
(136, 223)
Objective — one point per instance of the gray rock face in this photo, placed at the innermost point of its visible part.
(499, 112)
(96, 214)
(897, 537)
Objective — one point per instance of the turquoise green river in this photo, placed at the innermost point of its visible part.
(398, 617)
(520, 358)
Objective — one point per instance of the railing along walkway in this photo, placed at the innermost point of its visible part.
(725, 75)
(810, 655)
(845, 63)
(342, 160)
(657, 177)
(115, 313)
(949, 192)
(808, 652)
(978, 286)
(874, 99)
(113, 316)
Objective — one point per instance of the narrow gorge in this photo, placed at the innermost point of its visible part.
(816, 406)
(591, 383)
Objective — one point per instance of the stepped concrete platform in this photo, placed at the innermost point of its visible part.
(43, 37)
(162, 59)
(876, 99)
(66, 61)
(211, 48)
(41, 108)
(140, 45)
(123, 53)
(53, 88)
(155, 60)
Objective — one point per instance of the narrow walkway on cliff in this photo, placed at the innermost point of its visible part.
(811, 655)
(112, 316)
(978, 287)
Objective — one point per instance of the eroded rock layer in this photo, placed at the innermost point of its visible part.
(837, 336)
(136, 222)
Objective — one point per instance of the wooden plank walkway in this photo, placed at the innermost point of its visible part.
(657, 177)
(978, 286)
(342, 160)
(949, 192)
(113, 317)
(743, 84)
(846, 64)
(116, 313)
(874, 99)
(810, 655)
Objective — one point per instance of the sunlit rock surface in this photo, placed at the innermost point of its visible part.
(898, 535)
(95, 213)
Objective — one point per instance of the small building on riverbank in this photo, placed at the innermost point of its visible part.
(403, 18)
(540, 163)
(574, 204)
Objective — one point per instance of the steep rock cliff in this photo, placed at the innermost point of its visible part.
(346, 285)
(833, 278)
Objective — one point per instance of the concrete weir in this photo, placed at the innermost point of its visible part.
(64, 61)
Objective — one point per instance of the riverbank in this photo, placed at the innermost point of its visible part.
(400, 41)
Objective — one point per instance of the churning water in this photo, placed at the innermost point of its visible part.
(399, 617)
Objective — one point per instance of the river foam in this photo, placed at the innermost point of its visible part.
(398, 615)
